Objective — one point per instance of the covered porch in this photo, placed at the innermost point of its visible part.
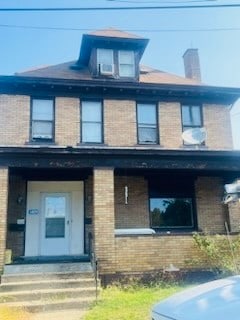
(121, 193)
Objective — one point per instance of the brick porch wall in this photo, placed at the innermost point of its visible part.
(212, 213)
(15, 239)
(3, 213)
(152, 253)
(135, 214)
(103, 218)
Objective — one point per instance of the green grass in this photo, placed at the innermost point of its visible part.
(131, 303)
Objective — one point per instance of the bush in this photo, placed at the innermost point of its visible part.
(218, 252)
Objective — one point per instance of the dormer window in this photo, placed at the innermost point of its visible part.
(105, 61)
(116, 63)
(126, 63)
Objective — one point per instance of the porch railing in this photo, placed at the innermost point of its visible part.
(94, 263)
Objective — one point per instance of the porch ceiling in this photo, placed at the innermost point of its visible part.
(120, 158)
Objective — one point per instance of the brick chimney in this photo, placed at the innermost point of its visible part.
(192, 64)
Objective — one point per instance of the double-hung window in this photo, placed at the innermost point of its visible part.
(147, 123)
(91, 122)
(42, 120)
(191, 117)
(105, 61)
(126, 63)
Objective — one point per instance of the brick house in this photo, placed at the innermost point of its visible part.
(92, 159)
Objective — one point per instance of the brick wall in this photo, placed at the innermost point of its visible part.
(234, 216)
(218, 125)
(67, 127)
(120, 127)
(3, 213)
(170, 125)
(151, 253)
(212, 213)
(135, 214)
(120, 123)
(14, 119)
(104, 224)
(16, 210)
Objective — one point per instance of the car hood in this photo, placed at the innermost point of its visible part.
(218, 300)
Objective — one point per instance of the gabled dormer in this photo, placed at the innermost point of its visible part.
(112, 54)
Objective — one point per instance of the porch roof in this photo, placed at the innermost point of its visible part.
(120, 158)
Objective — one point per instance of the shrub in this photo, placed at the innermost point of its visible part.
(218, 252)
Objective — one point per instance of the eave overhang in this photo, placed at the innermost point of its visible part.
(120, 158)
(116, 89)
(91, 41)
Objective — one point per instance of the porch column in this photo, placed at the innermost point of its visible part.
(3, 213)
(104, 219)
(234, 216)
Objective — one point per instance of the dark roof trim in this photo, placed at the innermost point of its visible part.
(111, 88)
(78, 157)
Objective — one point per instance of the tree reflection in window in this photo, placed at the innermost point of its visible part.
(171, 212)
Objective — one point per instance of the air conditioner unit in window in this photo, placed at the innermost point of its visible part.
(106, 69)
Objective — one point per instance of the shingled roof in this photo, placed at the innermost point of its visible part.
(114, 33)
(64, 71)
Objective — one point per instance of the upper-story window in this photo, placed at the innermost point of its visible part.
(126, 63)
(191, 118)
(91, 122)
(105, 61)
(147, 123)
(42, 120)
(119, 63)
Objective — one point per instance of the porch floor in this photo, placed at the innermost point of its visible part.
(52, 259)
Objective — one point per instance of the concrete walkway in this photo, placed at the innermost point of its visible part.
(58, 315)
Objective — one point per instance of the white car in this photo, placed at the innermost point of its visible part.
(215, 300)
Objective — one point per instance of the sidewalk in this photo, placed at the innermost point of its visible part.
(57, 315)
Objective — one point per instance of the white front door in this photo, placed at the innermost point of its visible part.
(54, 218)
(55, 224)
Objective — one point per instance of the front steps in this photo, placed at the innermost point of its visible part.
(48, 287)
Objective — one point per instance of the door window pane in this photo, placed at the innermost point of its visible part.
(55, 214)
(55, 228)
(171, 212)
(91, 122)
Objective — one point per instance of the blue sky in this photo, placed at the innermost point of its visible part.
(23, 48)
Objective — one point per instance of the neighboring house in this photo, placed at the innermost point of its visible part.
(92, 159)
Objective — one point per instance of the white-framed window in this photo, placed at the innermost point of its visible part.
(147, 123)
(105, 63)
(42, 119)
(91, 122)
(126, 63)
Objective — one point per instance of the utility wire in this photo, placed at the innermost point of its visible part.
(177, 7)
(130, 30)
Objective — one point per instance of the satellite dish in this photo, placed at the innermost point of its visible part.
(194, 136)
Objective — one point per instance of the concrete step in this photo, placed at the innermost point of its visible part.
(33, 277)
(45, 306)
(48, 268)
(46, 284)
(47, 295)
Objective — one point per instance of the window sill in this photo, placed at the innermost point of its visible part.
(41, 143)
(87, 144)
(193, 146)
